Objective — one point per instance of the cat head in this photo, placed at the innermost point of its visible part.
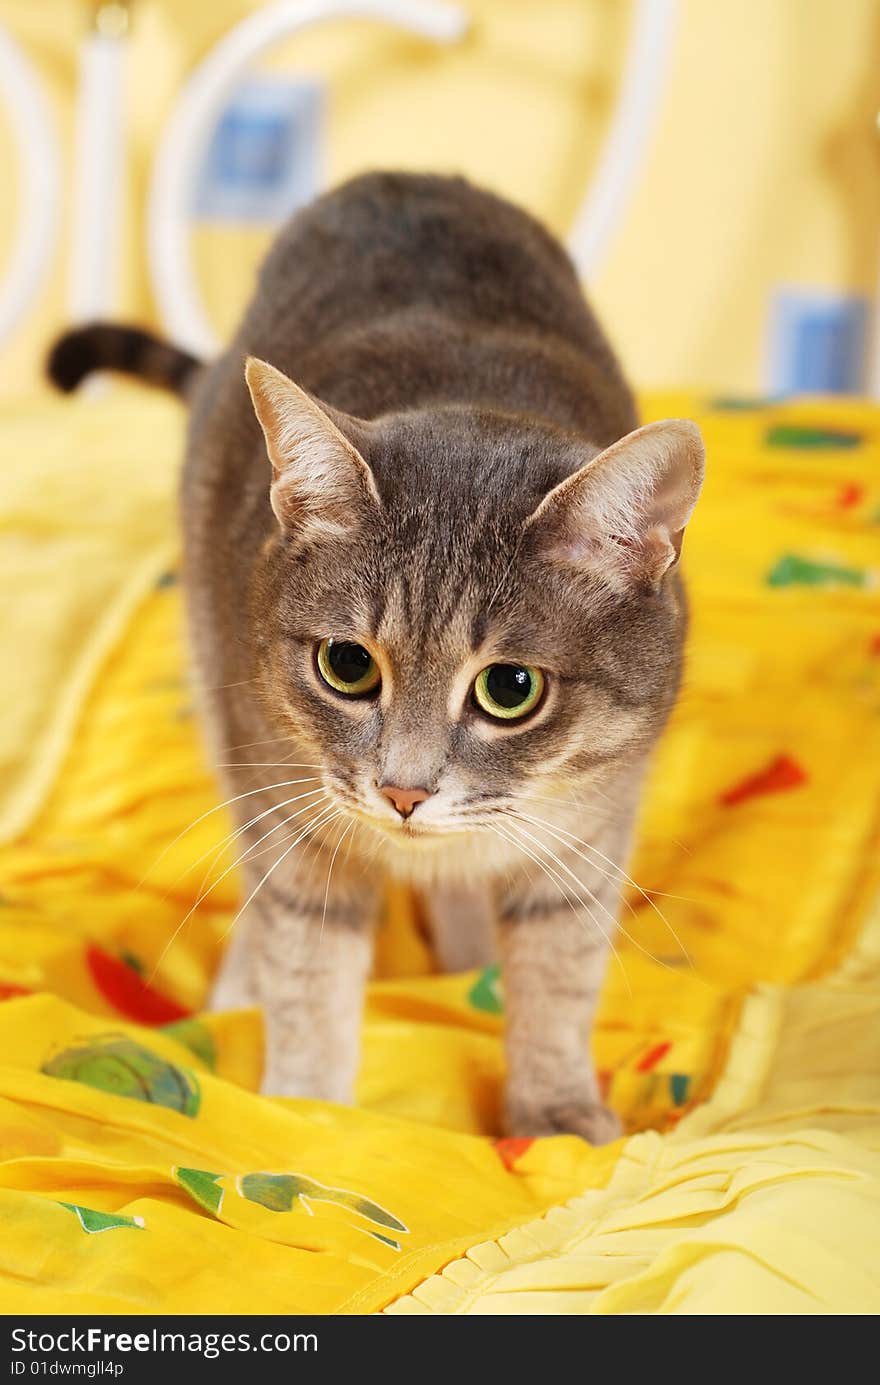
(461, 612)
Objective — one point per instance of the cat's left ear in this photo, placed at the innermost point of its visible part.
(321, 483)
(622, 515)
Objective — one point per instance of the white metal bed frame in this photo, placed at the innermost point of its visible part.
(100, 151)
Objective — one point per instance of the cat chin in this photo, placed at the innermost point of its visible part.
(424, 857)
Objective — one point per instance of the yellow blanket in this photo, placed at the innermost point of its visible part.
(140, 1171)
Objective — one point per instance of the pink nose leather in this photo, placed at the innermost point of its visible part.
(404, 800)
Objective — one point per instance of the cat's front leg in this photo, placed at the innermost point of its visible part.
(311, 967)
(553, 961)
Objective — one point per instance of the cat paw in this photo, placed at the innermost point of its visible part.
(590, 1120)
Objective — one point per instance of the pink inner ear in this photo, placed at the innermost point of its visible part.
(652, 554)
(621, 516)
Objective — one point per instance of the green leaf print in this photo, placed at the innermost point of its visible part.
(485, 993)
(92, 1221)
(386, 1240)
(203, 1187)
(116, 1064)
(196, 1037)
(279, 1191)
(791, 570)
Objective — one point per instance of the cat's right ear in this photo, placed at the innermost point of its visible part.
(321, 483)
(621, 516)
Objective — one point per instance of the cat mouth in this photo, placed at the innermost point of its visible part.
(405, 832)
(409, 833)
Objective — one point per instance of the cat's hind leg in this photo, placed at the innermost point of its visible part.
(461, 921)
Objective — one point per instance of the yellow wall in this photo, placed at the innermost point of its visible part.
(763, 167)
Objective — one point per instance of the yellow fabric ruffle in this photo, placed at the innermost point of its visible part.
(765, 1199)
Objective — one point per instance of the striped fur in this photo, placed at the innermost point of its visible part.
(129, 350)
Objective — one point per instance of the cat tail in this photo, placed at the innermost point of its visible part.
(108, 346)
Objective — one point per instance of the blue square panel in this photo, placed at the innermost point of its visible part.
(818, 342)
(264, 157)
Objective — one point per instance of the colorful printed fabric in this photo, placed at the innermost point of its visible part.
(738, 1033)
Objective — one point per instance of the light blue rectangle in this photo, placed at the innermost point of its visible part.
(264, 158)
(817, 342)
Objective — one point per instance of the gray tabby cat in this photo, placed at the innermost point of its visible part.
(436, 615)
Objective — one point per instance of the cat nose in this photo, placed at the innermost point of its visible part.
(404, 800)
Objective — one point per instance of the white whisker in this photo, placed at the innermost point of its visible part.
(572, 899)
(204, 895)
(248, 745)
(221, 687)
(612, 918)
(249, 793)
(615, 922)
(239, 831)
(553, 831)
(345, 831)
(330, 814)
(262, 764)
(594, 809)
(271, 832)
(355, 825)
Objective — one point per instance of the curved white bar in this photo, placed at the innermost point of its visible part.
(198, 108)
(99, 173)
(644, 78)
(40, 178)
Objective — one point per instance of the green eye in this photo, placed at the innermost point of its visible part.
(348, 668)
(508, 691)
